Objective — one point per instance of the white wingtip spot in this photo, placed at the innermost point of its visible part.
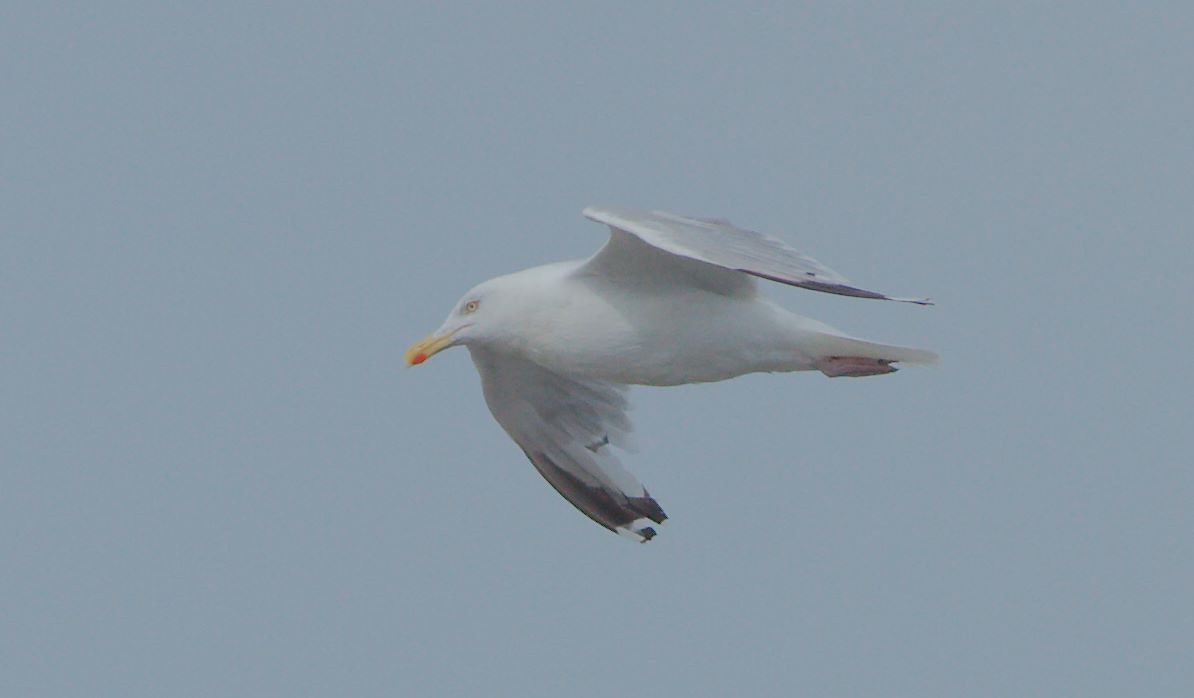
(640, 530)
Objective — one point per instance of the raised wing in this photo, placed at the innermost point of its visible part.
(719, 243)
(567, 427)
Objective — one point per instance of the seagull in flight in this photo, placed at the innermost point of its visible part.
(668, 300)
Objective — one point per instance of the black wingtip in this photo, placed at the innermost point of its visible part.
(648, 507)
(611, 511)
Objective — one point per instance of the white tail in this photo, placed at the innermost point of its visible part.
(833, 346)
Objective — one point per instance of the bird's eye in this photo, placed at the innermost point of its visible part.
(471, 306)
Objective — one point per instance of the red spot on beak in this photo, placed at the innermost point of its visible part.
(418, 359)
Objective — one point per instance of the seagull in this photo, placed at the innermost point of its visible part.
(668, 300)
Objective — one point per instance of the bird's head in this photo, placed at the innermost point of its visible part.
(486, 314)
(466, 321)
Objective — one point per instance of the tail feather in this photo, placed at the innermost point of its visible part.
(831, 345)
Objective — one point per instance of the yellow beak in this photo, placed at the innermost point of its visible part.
(428, 347)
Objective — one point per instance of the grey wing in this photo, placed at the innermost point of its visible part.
(717, 242)
(567, 428)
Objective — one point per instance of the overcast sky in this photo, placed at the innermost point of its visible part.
(221, 225)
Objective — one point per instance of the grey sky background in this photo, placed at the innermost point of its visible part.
(222, 224)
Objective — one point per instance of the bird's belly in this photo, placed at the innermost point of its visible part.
(668, 343)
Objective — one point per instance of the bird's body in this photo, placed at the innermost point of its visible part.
(665, 334)
(669, 300)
